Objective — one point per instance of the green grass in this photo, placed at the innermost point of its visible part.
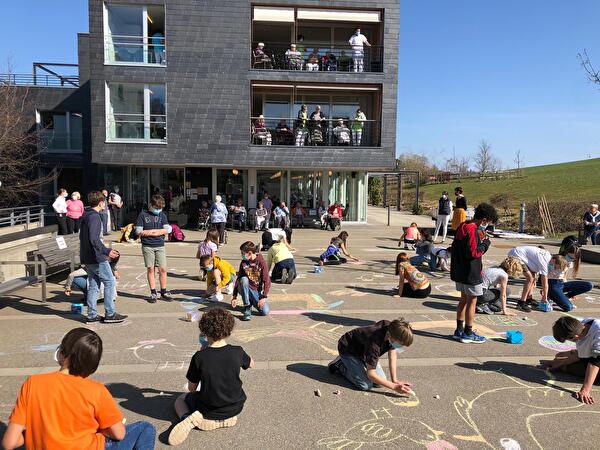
(575, 181)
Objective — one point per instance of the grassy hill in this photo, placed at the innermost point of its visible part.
(577, 181)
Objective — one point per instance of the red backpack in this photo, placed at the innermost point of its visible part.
(176, 234)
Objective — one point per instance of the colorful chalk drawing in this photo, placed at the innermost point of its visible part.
(164, 353)
(505, 321)
(348, 293)
(552, 344)
(371, 276)
(592, 298)
(384, 427)
(524, 411)
(448, 289)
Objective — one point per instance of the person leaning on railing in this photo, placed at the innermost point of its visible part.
(293, 58)
(357, 127)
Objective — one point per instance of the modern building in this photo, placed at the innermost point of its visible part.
(177, 97)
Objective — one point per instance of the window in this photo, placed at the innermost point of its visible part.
(134, 34)
(60, 131)
(136, 112)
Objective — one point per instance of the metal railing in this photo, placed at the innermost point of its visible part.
(45, 80)
(24, 215)
(137, 126)
(135, 49)
(342, 58)
(328, 132)
(50, 140)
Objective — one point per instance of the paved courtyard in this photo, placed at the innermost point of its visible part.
(467, 397)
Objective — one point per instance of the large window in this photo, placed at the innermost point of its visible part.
(136, 112)
(349, 189)
(60, 131)
(134, 34)
(280, 105)
(231, 186)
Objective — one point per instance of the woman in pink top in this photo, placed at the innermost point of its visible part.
(410, 236)
(74, 213)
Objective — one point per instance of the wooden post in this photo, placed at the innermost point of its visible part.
(398, 192)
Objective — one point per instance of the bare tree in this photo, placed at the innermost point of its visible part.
(457, 165)
(518, 161)
(19, 164)
(592, 73)
(484, 158)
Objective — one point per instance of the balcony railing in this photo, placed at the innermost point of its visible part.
(329, 132)
(137, 127)
(24, 215)
(279, 56)
(53, 141)
(40, 80)
(135, 49)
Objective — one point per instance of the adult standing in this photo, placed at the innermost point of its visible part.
(94, 255)
(268, 205)
(104, 213)
(75, 210)
(282, 216)
(116, 209)
(357, 41)
(60, 208)
(357, 127)
(218, 217)
(460, 209)
(443, 216)
(302, 126)
(591, 224)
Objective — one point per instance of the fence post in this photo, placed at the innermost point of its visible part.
(41, 217)
(27, 217)
(389, 215)
(12, 218)
(522, 219)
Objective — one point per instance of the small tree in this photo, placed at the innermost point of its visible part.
(502, 200)
(375, 191)
(19, 177)
(484, 159)
(518, 161)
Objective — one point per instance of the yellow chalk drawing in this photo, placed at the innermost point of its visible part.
(309, 301)
(505, 321)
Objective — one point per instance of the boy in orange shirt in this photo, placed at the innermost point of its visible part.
(65, 410)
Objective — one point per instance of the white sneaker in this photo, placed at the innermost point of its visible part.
(229, 289)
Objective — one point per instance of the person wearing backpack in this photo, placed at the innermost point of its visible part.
(443, 216)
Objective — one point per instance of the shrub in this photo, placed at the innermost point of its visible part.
(566, 216)
(502, 200)
(375, 191)
(417, 209)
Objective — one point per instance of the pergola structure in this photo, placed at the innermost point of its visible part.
(398, 174)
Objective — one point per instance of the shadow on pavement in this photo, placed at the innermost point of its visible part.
(368, 290)
(146, 402)
(182, 276)
(339, 320)
(319, 373)
(440, 305)
(41, 309)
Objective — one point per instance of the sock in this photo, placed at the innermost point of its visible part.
(163, 291)
(460, 325)
(468, 329)
(153, 291)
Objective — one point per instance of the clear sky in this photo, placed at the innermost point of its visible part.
(501, 70)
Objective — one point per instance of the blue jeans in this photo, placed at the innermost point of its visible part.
(250, 297)
(138, 436)
(430, 259)
(100, 273)
(104, 219)
(592, 234)
(241, 220)
(81, 283)
(355, 371)
(560, 292)
(288, 264)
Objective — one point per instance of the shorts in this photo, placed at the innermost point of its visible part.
(526, 268)
(154, 256)
(473, 290)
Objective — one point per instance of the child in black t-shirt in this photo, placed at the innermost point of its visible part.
(216, 369)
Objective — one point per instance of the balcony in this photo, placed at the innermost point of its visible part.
(43, 76)
(315, 57)
(338, 132)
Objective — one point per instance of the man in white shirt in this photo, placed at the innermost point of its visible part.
(115, 202)
(60, 208)
(357, 42)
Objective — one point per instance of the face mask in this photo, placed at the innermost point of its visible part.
(156, 212)
(65, 195)
(209, 268)
(399, 348)
(116, 190)
(56, 355)
(551, 267)
(445, 197)
(244, 258)
(203, 341)
(73, 197)
(483, 227)
(569, 258)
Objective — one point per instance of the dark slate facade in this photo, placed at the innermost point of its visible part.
(208, 79)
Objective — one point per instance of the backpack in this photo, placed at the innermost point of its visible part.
(126, 233)
(176, 234)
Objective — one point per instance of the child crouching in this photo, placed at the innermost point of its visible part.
(220, 275)
(216, 368)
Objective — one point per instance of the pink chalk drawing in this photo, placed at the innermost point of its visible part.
(552, 344)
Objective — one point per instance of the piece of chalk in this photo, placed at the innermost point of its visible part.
(318, 393)
(411, 392)
(161, 393)
(436, 396)
(337, 392)
(124, 421)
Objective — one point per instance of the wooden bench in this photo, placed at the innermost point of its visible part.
(15, 284)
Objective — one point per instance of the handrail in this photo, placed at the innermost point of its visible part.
(23, 215)
(14, 79)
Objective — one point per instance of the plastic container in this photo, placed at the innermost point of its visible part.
(192, 316)
(514, 337)
(77, 308)
(318, 269)
(545, 307)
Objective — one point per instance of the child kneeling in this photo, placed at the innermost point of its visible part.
(584, 361)
(67, 410)
(411, 282)
(220, 276)
(216, 369)
(360, 350)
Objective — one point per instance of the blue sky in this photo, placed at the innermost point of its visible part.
(501, 70)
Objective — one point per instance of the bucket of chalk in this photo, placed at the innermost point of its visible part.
(77, 308)
(514, 337)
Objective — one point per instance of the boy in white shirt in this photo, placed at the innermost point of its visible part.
(585, 359)
(534, 260)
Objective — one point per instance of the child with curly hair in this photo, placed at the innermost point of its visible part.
(216, 368)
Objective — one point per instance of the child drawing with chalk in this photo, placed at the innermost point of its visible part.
(337, 246)
(411, 282)
(220, 277)
(584, 361)
(216, 369)
(360, 350)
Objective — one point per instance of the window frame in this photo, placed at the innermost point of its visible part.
(40, 130)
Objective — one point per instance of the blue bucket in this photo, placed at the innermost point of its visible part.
(514, 337)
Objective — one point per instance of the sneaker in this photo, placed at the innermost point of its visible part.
(484, 309)
(472, 338)
(181, 431)
(166, 296)
(523, 306)
(533, 303)
(334, 366)
(229, 289)
(284, 276)
(93, 319)
(290, 276)
(153, 297)
(115, 318)
(247, 315)
(457, 336)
